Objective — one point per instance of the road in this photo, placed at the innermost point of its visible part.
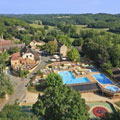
(20, 83)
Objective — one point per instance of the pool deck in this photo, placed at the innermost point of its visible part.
(88, 75)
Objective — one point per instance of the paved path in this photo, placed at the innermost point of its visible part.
(19, 84)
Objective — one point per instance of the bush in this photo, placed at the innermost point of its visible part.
(73, 54)
(46, 27)
(54, 80)
(109, 72)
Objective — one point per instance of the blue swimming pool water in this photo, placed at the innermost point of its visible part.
(102, 79)
(112, 88)
(69, 78)
(94, 70)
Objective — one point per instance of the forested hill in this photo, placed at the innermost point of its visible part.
(7, 22)
(9, 26)
(92, 20)
(17, 29)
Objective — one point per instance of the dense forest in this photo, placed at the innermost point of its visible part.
(92, 20)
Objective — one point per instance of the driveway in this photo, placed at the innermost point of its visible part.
(19, 83)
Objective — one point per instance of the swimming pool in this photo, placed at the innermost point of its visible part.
(102, 79)
(94, 70)
(112, 88)
(69, 78)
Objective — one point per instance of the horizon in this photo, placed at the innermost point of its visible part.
(59, 7)
(59, 13)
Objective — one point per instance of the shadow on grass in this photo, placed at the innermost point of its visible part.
(37, 88)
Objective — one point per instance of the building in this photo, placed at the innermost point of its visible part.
(25, 59)
(34, 44)
(63, 50)
(8, 44)
(19, 28)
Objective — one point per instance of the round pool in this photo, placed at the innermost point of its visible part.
(112, 88)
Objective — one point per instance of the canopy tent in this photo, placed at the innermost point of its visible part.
(56, 56)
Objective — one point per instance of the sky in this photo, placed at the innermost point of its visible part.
(59, 6)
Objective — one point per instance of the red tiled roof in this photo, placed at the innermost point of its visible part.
(15, 56)
(5, 42)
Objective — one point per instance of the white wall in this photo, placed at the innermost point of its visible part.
(28, 55)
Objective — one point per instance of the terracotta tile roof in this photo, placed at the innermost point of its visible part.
(5, 42)
(16, 56)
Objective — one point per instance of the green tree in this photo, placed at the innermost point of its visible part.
(78, 42)
(2, 28)
(115, 56)
(23, 73)
(26, 39)
(13, 50)
(54, 80)
(107, 67)
(39, 72)
(46, 27)
(14, 112)
(73, 54)
(61, 103)
(4, 57)
(49, 38)
(112, 116)
(6, 86)
(64, 39)
(51, 47)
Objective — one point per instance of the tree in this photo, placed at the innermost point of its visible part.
(78, 42)
(115, 56)
(5, 85)
(39, 72)
(112, 116)
(2, 28)
(26, 39)
(51, 47)
(4, 57)
(14, 112)
(13, 50)
(63, 39)
(73, 54)
(61, 103)
(49, 38)
(107, 67)
(54, 80)
(46, 27)
(23, 73)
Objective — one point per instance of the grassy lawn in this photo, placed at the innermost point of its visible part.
(41, 26)
(32, 89)
(84, 27)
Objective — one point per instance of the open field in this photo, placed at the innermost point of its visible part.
(41, 26)
(84, 27)
(79, 27)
